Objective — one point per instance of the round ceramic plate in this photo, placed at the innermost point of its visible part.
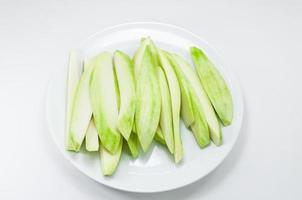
(155, 170)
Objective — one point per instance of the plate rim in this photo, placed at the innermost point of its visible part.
(231, 75)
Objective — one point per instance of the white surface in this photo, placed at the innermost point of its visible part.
(261, 42)
(142, 174)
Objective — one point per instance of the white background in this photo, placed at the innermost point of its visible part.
(261, 41)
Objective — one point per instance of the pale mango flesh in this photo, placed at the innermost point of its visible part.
(166, 122)
(104, 102)
(81, 111)
(91, 137)
(214, 85)
(125, 78)
(186, 72)
(110, 161)
(175, 102)
(74, 74)
(148, 100)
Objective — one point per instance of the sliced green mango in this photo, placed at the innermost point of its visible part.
(133, 145)
(175, 103)
(81, 111)
(109, 161)
(104, 102)
(200, 128)
(165, 122)
(126, 84)
(92, 138)
(148, 100)
(214, 85)
(186, 108)
(184, 70)
(74, 73)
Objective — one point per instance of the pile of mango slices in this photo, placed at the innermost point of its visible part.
(115, 102)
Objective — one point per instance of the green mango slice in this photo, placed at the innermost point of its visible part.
(104, 102)
(214, 85)
(126, 84)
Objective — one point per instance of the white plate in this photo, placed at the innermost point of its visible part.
(154, 171)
